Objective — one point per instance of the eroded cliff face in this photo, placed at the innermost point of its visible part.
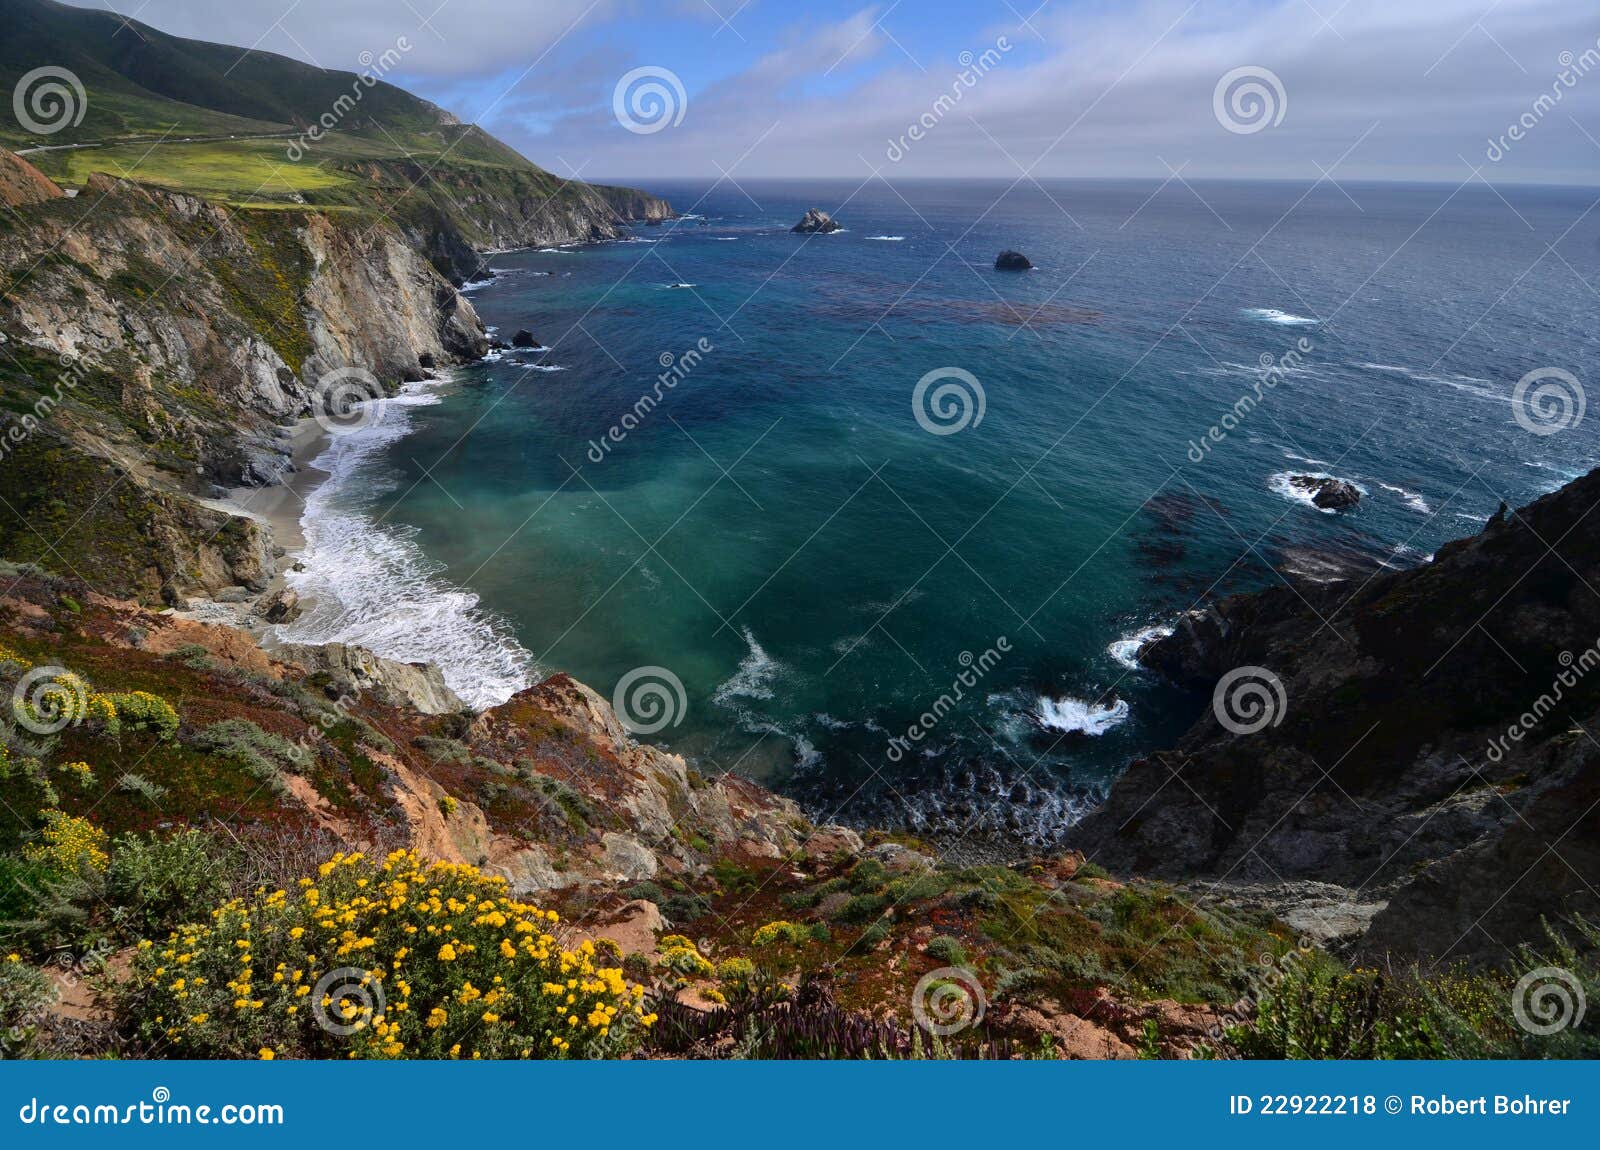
(455, 215)
(1435, 750)
(547, 789)
(157, 345)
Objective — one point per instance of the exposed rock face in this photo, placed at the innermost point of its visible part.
(1010, 261)
(161, 352)
(22, 183)
(372, 302)
(524, 338)
(1326, 492)
(356, 671)
(1429, 749)
(284, 607)
(491, 209)
(816, 220)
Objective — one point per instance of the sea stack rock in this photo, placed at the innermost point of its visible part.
(1327, 493)
(524, 338)
(1010, 261)
(816, 221)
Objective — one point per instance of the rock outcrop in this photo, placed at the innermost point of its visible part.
(1010, 261)
(816, 221)
(357, 671)
(1421, 739)
(1327, 492)
(22, 183)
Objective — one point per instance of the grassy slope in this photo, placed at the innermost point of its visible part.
(219, 121)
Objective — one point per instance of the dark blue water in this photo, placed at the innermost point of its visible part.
(778, 530)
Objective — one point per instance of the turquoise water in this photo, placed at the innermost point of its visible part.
(779, 531)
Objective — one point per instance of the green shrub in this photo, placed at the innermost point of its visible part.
(142, 711)
(1321, 1011)
(262, 754)
(862, 908)
(24, 992)
(873, 935)
(158, 883)
(44, 910)
(947, 950)
(141, 786)
(868, 875)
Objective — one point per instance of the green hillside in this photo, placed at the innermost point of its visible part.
(143, 82)
(235, 126)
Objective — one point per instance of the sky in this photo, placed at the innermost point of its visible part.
(1283, 89)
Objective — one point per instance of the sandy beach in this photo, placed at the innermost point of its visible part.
(281, 505)
(279, 508)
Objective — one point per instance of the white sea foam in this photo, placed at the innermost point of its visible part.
(1470, 384)
(1071, 715)
(887, 239)
(1274, 315)
(753, 679)
(1412, 500)
(372, 586)
(1126, 649)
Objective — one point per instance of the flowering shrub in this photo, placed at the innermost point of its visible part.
(782, 931)
(69, 845)
(21, 662)
(111, 713)
(381, 960)
(81, 771)
(681, 961)
(137, 711)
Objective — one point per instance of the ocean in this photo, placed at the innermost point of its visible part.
(864, 518)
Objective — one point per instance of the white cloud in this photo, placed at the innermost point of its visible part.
(1119, 89)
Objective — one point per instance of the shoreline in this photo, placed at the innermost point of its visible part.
(278, 508)
(281, 505)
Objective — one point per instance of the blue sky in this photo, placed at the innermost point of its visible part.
(1367, 89)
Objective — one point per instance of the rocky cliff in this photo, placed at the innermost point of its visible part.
(1426, 743)
(457, 214)
(156, 345)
